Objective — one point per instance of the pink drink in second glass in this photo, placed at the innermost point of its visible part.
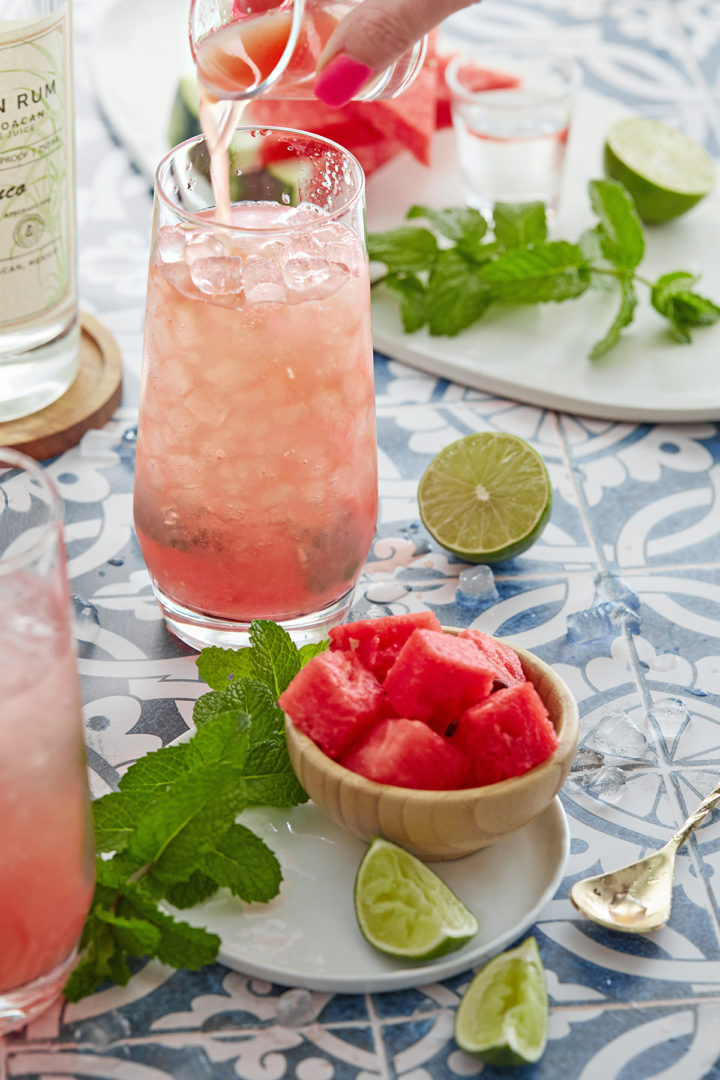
(46, 863)
(46, 851)
(256, 474)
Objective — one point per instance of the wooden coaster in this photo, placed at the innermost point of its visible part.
(88, 403)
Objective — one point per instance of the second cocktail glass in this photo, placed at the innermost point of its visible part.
(256, 471)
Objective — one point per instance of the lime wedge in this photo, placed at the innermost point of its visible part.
(404, 909)
(666, 172)
(486, 497)
(503, 1015)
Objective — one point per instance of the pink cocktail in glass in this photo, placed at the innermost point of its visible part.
(256, 470)
(46, 853)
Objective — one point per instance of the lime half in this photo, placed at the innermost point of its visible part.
(404, 909)
(486, 497)
(503, 1016)
(666, 172)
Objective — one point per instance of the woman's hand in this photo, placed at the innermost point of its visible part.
(370, 38)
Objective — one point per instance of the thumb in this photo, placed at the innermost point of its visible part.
(375, 34)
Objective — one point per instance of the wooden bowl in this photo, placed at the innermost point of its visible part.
(443, 824)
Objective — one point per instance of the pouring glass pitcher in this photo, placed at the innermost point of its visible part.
(245, 49)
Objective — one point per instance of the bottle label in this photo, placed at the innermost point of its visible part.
(37, 257)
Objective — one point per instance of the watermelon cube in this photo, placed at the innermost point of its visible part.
(506, 735)
(406, 753)
(377, 642)
(333, 699)
(436, 677)
(504, 660)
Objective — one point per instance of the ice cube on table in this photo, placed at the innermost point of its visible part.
(615, 733)
(592, 624)
(608, 784)
(295, 1008)
(585, 767)
(615, 590)
(669, 714)
(478, 581)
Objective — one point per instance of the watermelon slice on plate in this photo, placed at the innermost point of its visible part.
(406, 753)
(333, 699)
(506, 735)
(377, 642)
(436, 677)
(504, 660)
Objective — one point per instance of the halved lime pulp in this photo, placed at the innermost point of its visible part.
(404, 909)
(503, 1015)
(486, 497)
(665, 171)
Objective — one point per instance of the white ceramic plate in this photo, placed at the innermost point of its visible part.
(308, 936)
(533, 354)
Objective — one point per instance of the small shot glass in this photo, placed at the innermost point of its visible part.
(511, 109)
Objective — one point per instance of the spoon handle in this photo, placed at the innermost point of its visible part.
(696, 817)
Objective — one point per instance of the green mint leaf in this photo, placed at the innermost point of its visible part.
(269, 778)
(517, 225)
(180, 945)
(695, 310)
(198, 887)
(311, 649)
(628, 303)
(175, 832)
(621, 237)
(225, 739)
(276, 660)
(547, 272)
(244, 863)
(457, 223)
(152, 774)
(672, 295)
(138, 937)
(115, 818)
(408, 248)
(218, 667)
(590, 243)
(457, 296)
(669, 285)
(99, 960)
(410, 294)
(234, 699)
(257, 700)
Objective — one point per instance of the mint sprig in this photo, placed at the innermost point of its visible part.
(447, 276)
(170, 834)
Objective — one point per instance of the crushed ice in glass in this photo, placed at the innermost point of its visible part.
(295, 1008)
(263, 280)
(592, 624)
(218, 275)
(615, 590)
(615, 733)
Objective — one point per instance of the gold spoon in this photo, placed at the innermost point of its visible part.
(636, 898)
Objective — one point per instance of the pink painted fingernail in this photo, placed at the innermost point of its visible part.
(340, 81)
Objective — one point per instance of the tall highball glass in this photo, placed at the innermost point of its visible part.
(46, 850)
(256, 469)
